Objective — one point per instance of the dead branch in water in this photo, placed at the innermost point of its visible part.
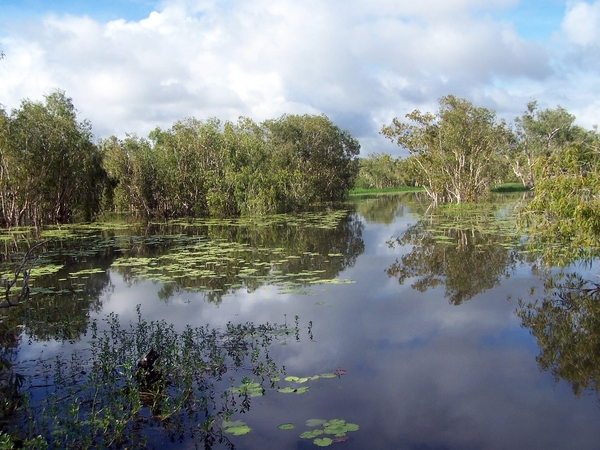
(8, 284)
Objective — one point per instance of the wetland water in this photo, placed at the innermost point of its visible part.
(416, 316)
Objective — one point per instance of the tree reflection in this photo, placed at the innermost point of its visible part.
(222, 256)
(566, 325)
(466, 250)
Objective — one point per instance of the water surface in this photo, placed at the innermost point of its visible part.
(423, 327)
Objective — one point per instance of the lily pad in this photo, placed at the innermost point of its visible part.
(237, 428)
(286, 426)
(323, 442)
(311, 434)
(238, 431)
(315, 422)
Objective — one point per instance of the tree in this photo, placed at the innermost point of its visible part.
(538, 134)
(566, 201)
(455, 151)
(380, 171)
(51, 169)
(323, 158)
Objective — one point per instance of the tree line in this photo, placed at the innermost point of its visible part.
(51, 171)
(457, 153)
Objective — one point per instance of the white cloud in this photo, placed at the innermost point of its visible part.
(582, 23)
(359, 62)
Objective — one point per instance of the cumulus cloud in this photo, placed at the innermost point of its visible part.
(359, 62)
(582, 23)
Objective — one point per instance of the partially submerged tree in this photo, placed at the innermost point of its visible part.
(566, 201)
(538, 133)
(455, 151)
(50, 170)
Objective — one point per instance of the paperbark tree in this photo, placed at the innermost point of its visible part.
(455, 151)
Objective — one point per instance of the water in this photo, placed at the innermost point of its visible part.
(417, 368)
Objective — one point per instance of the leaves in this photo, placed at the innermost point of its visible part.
(454, 152)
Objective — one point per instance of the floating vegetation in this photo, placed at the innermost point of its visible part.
(249, 387)
(214, 256)
(286, 426)
(467, 249)
(334, 427)
(236, 428)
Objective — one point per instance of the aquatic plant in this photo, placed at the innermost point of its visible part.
(111, 395)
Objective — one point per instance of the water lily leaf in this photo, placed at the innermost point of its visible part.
(328, 375)
(238, 431)
(311, 434)
(286, 426)
(237, 427)
(315, 422)
(335, 423)
(323, 442)
(234, 423)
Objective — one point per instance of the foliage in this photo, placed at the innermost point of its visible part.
(565, 323)
(539, 134)
(381, 171)
(455, 152)
(563, 215)
(96, 399)
(201, 168)
(50, 171)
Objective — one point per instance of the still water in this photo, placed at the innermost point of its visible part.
(422, 329)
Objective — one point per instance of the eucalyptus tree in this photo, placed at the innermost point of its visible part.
(51, 169)
(380, 171)
(131, 169)
(455, 151)
(539, 133)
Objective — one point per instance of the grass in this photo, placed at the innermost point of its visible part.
(370, 191)
(500, 188)
(509, 187)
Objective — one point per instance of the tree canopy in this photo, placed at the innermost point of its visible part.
(51, 171)
(455, 151)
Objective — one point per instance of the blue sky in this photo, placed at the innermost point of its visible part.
(132, 65)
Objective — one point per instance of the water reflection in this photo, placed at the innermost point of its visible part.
(565, 322)
(386, 208)
(468, 251)
(420, 372)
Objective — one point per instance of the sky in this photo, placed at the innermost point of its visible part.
(133, 65)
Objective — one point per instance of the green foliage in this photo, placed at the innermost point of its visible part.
(201, 168)
(563, 215)
(381, 171)
(98, 399)
(539, 134)
(50, 171)
(454, 153)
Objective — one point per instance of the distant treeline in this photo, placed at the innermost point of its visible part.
(51, 171)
